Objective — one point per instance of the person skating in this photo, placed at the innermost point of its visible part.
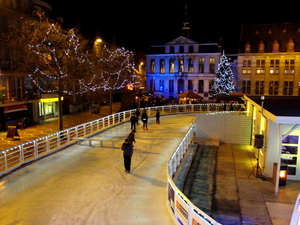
(133, 121)
(144, 118)
(157, 115)
(127, 154)
(131, 137)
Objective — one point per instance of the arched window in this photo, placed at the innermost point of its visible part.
(247, 47)
(290, 47)
(275, 46)
(261, 46)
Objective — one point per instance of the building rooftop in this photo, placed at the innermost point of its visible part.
(280, 105)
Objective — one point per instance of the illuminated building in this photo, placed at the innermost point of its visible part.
(269, 59)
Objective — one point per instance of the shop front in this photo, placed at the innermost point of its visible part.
(48, 107)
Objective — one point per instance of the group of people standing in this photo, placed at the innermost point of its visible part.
(127, 146)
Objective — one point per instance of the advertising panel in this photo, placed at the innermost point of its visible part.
(182, 208)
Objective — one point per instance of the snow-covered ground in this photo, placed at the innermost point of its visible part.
(88, 185)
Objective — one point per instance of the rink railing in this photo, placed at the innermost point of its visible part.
(182, 209)
(12, 158)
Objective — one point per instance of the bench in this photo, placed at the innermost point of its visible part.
(206, 141)
(91, 140)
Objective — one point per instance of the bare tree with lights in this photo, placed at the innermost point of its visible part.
(116, 67)
(54, 58)
(223, 83)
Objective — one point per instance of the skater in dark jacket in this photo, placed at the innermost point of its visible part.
(127, 154)
(133, 121)
(157, 115)
(144, 119)
(131, 137)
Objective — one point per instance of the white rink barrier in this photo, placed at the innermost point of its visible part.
(184, 212)
(295, 220)
(12, 158)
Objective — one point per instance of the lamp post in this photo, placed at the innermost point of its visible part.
(97, 46)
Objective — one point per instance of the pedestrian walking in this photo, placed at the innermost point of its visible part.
(144, 118)
(133, 121)
(137, 113)
(127, 154)
(157, 115)
(131, 137)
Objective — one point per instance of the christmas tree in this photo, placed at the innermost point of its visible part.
(223, 83)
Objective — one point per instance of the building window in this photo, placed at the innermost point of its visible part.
(190, 85)
(246, 67)
(180, 65)
(152, 85)
(181, 49)
(180, 85)
(273, 87)
(274, 66)
(201, 65)
(171, 65)
(260, 66)
(246, 86)
(247, 47)
(288, 87)
(290, 47)
(200, 86)
(275, 46)
(162, 66)
(171, 85)
(261, 46)
(211, 65)
(259, 87)
(191, 49)
(289, 66)
(152, 68)
(191, 65)
(161, 85)
(172, 49)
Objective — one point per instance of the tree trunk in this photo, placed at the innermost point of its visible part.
(110, 101)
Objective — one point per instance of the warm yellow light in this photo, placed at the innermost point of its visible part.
(50, 99)
(99, 40)
(282, 174)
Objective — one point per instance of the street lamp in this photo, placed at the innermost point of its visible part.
(97, 46)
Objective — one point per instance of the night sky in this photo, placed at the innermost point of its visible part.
(139, 24)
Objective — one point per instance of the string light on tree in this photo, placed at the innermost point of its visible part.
(223, 83)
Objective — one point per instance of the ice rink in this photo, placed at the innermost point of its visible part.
(88, 185)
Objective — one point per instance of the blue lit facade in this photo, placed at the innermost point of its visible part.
(182, 65)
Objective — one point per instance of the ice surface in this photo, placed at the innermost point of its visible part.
(88, 185)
